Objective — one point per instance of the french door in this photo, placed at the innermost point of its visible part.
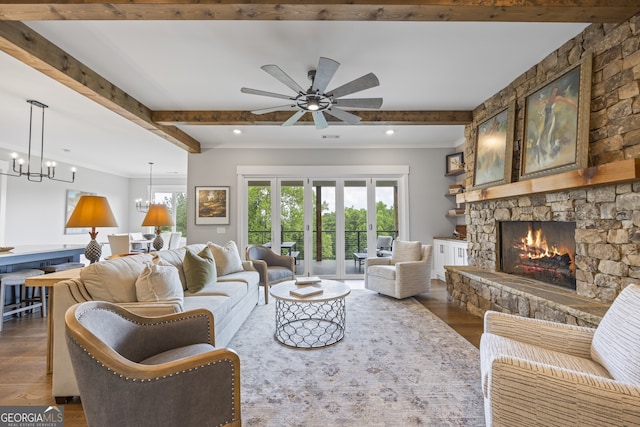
(328, 224)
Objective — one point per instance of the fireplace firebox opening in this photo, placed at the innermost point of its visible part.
(541, 250)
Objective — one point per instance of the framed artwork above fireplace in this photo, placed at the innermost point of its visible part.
(556, 123)
(494, 149)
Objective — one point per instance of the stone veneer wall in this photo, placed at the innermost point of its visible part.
(607, 239)
(607, 235)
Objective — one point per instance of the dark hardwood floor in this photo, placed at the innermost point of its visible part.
(23, 347)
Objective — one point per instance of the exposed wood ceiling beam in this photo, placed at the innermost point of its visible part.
(602, 11)
(26, 45)
(239, 118)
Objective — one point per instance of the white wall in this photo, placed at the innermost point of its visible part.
(35, 213)
(427, 183)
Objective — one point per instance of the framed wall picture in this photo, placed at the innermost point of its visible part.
(556, 126)
(494, 149)
(72, 200)
(454, 163)
(212, 205)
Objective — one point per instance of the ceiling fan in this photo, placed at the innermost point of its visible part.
(317, 100)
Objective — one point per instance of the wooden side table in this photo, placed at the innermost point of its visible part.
(48, 280)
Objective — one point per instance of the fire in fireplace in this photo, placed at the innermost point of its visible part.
(541, 250)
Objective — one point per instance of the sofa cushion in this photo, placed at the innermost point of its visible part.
(199, 269)
(159, 282)
(227, 257)
(251, 277)
(219, 305)
(616, 342)
(233, 290)
(406, 251)
(113, 280)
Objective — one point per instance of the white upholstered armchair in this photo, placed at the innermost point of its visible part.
(541, 373)
(405, 274)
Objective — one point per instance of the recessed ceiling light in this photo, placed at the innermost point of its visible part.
(330, 136)
(390, 131)
(237, 131)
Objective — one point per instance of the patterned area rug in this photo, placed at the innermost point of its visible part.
(398, 365)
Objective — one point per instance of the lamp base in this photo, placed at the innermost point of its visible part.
(93, 251)
(158, 243)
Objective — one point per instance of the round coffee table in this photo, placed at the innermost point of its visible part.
(312, 321)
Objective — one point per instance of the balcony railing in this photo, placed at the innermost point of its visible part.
(355, 241)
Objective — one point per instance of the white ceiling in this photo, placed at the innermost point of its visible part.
(201, 65)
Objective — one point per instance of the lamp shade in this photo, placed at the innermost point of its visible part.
(92, 211)
(157, 216)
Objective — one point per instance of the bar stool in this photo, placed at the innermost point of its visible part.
(17, 278)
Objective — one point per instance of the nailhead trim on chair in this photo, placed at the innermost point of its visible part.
(233, 385)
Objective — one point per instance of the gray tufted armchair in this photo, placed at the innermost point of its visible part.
(273, 268)
(160, 371)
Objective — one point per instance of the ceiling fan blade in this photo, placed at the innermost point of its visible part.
(320, 120)
(265, 93)
(359, 102)
(365, 82)
(294, 118)
(325, 71)
(346, 117)
(278, 108)
(276, 72)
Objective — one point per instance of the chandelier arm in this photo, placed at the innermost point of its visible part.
(51, 169)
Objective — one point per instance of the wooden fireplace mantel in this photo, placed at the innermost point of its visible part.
(608, 173)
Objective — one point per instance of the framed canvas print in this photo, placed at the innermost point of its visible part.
(454, 163)
(556, 127)
(494, 149)
(212, 205)
(72, 200)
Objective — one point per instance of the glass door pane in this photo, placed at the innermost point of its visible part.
(181, 213)
(387, 209)
(258, 212)
(324, 228)
(292, 221)
(355, 225)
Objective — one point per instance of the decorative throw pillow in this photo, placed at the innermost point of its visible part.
(404, 251)
(159, 282)
(199, 269)
(227, 257)
(114, 280)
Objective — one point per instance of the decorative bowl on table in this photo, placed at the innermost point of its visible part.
(149, 236)
(6, 248)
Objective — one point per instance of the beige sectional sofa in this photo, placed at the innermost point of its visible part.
(230, 298)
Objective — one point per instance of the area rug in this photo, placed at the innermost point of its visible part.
(398, 365)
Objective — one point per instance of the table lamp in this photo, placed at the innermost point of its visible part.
(157, 216)
(92, 211)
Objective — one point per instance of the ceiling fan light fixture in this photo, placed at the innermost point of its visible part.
(313, 105)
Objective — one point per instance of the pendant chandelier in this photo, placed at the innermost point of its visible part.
(31, 170)
(144, 206)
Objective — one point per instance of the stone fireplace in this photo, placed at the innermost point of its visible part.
(541, 250)
(607, 255)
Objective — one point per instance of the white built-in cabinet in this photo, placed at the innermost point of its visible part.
(448, 252)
